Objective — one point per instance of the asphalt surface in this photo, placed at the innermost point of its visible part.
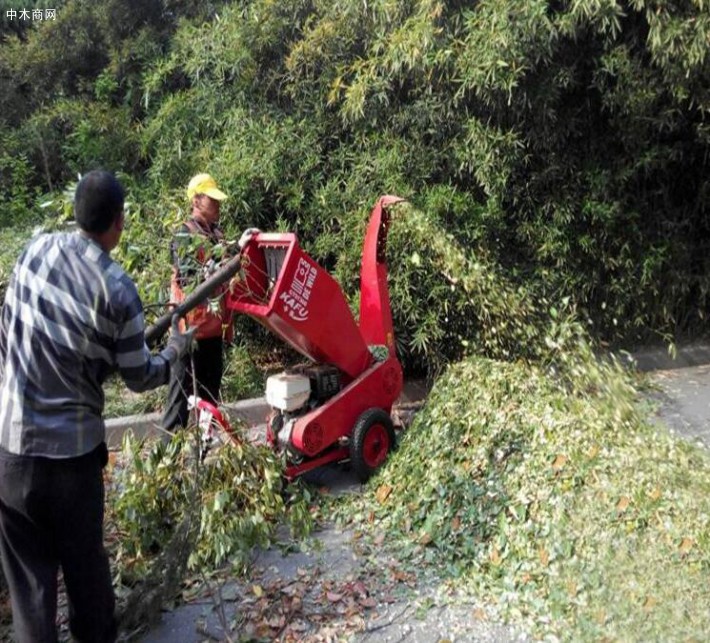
(683, 396)
(680, 390)
(417, 612)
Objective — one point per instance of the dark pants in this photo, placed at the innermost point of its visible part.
(51, 516)
(208, 361)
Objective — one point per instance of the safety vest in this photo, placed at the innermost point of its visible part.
(208, 323)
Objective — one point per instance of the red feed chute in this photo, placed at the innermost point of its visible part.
(375, 313)
(300, 302)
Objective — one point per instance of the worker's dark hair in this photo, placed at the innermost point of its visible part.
(98, 201)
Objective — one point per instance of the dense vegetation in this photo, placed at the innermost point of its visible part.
(555, 155)
(562, 144)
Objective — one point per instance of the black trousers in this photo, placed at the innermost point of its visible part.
(51, 516)
(209, 364)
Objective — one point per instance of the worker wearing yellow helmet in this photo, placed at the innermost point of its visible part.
(193, 253)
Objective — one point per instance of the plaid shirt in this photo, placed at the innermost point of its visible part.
(71, 318)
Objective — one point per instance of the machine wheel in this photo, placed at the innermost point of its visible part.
(372, 440)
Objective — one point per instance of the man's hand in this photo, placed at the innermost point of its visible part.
(180, 343)
(246, 237)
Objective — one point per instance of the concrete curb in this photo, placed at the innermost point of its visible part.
(252, 411)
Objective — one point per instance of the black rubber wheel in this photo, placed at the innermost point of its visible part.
(371, 442)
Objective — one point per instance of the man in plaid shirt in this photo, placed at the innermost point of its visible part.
(71, 318)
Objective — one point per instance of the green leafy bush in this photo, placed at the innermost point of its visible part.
(18, 191)
(575, 133)
(242, 377)
(234, 502)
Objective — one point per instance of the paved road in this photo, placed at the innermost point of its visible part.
(684, 398)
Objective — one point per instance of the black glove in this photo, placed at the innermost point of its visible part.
(179, 344)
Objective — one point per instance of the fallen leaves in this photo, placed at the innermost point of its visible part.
(650, 603)
(309, 605)
(623, 504)
(401, 576)
(383, 493)
(494, 556)
(588, 494)
(685, 546)
(655, 494)
(544, 556)
(480, 614)
(559, 462)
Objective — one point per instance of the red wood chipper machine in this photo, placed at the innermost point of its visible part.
(338, 406)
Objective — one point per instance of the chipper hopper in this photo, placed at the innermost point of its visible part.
(338, 406)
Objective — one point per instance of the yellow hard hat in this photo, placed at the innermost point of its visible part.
(204, 184)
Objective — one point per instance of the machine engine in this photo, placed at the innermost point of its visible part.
(292, 394)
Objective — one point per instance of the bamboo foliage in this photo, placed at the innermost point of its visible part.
(575, 132)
